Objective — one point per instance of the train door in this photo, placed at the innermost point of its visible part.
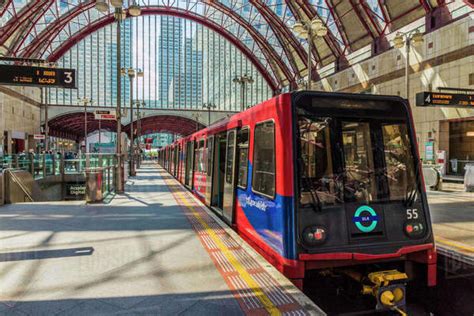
(217, 198)
(229, 176)
(193, 164)
(170, 160)
(210, 160)
(178, 162)
(189, 164)
(174, 161)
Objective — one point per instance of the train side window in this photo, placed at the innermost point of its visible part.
(263, 176)
(204, 151)
(200, 158)
(210, 151)
(229, 157)
(243, 154)
(196, 156)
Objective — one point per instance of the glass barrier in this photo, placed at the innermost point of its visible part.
(45, 165)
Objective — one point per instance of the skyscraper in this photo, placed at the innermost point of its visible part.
(126, 61)
(97, 54)
(169, 55)
(190, 91)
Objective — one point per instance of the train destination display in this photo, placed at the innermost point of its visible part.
(444, 99)
(38, 76)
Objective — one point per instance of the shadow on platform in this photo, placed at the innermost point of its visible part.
(204, 303)
(46, 254)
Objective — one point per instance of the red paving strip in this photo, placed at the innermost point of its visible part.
(251, 304)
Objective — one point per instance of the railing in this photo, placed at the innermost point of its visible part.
(73, 172)
(43, 165)
(20, 184)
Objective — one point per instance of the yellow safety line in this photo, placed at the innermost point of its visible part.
(257, 290)
(454, 244)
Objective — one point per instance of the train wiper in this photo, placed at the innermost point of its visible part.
(316, 205)
(316, 200)
(410, 196)
(412, 191)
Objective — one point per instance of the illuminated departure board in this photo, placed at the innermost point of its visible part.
(445, 99)
(38, 76)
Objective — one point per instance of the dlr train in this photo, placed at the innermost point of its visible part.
(319, 181)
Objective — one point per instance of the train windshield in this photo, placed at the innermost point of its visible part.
(347, 160)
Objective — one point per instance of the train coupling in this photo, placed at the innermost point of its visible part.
(389, 289)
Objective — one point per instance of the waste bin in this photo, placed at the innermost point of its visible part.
(94, 185)
(469, 177)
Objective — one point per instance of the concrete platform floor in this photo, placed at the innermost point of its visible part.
(137, 255)
(452, 213)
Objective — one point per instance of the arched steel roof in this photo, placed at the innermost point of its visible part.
(71, 125)
(261, 29)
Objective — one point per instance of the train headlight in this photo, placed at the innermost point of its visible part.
(414, 229)
(314, 235)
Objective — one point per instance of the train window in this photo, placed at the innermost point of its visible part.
(196, 156)
(199, 157)
(360, 184)
(319, 185)
(210, 151)
(398, 160)
(263, 176)
(204, 157)
(229, 157)
(243, 154)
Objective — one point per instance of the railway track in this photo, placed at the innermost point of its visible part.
(453, 296)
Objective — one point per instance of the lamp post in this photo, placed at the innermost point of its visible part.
(307, 30)
(120, 14)
(407, 39)
(243, 81)
(85, 101)
(139, 129)
(196, 117)
(100, 136)
(131, 73)
(209, 106)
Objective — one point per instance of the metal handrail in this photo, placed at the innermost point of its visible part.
(16, 180)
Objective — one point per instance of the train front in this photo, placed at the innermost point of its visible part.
(361, 206)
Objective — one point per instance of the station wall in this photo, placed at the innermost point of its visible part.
(19, 118)
(444, 59)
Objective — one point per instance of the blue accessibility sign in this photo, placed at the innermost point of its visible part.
(365, 218)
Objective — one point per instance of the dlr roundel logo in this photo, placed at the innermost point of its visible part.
(365, 218)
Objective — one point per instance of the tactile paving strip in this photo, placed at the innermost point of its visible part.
(257, 292)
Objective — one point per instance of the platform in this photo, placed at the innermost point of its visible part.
(153, 250)
(453, 223)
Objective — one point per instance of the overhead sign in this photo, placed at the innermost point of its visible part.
(444, 99)
(38, 76)
(105, 115)
(39, 136)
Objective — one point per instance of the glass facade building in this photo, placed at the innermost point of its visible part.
(185, 66)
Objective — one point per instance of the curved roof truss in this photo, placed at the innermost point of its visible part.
(259, 28)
